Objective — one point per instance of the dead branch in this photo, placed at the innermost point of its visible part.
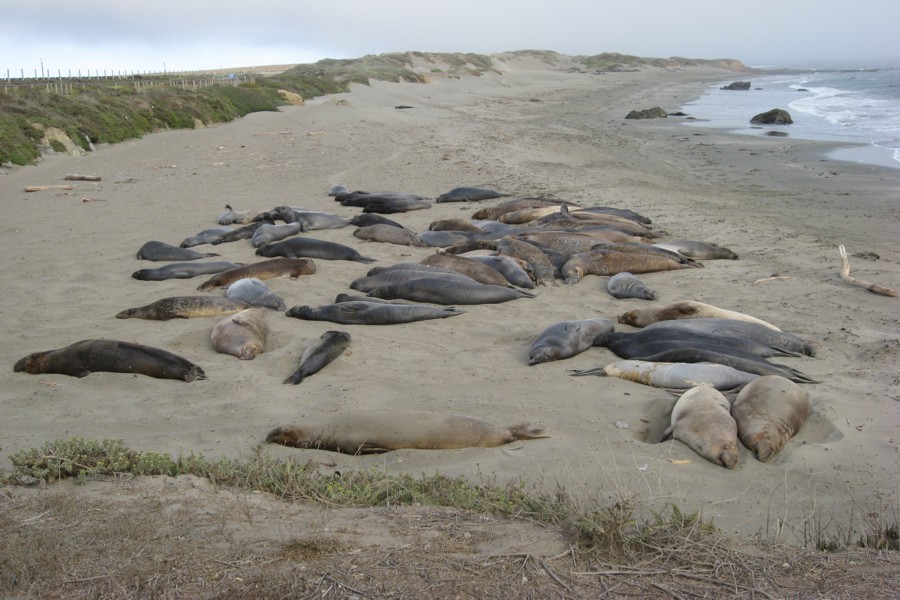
(76, 177)
(40, 188)
(872, 287)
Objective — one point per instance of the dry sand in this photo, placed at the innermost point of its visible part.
(532, 130)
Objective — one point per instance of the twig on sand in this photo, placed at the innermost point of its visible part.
(40, 188)
(872, 287)
(76, 177)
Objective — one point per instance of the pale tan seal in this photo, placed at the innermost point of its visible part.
(688, 309)
(674, 375)
(242, 335)
(768, 412)
(374, 431)
(702, 419)
(184, 307)
(478, 271)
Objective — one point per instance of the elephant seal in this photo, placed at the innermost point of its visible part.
(254, 292)
(381, 232)
(734, 359)
(376, 431)
(493, 213)
(300, 247)
(268, 233)
(387, 206)
(182, 270)
(337, 190)
(601, 261)
(701, 418)
(566, 339)
(631, 344)
(371, 312)
(478, 271)
(397, 275)
(674, 375)
(626, 285)
(447, 291)
(242, 335)
(184, 307)
(241, 233)
(317, 355)
(744, 329)
(454, 225)
(91, 356)
(768, 412)
(445, 239)
(264, 269)
(366, 219)
(697, 250)
(511, 269)
(688, 309)
(468, 194)
(235, 217)
(160, 251)
(206, 236)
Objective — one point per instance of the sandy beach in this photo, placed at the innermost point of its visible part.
(531, 130)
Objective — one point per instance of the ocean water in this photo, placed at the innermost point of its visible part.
(859, 107)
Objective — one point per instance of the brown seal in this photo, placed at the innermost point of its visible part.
(89, 356)
(242, 335)
(374, 431)
(701, 419)
(382, 232)
(768, 412)
(184, 307)
(264, 269)
(602, 261)
(687, 309)
(478, 271)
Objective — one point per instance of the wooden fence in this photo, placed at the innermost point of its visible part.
(66, 85)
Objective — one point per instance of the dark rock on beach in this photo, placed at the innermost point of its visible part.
(649, 113)
(776, 116)
(737, 85)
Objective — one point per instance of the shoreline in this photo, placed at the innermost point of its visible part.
(531, 131)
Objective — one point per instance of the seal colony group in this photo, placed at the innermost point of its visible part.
(533, 242)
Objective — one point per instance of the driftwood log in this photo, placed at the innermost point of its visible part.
(872, 287)
(76, 177)
(40, 188)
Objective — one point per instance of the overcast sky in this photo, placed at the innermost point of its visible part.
(119, 35)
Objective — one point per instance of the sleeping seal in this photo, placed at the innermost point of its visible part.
(674, 375)
(375, 431)
(468, 194)
(319, 354)
(242, 335)
(90, 356)
(702, 419)
(264, 269)
(447, 291)
(566, 339)
(300, 247)
(369, 312)
(769, 411)
(184, 307)
(254, 292)
(626, 285)
(182, 270)
(160, 251)
(688, 309)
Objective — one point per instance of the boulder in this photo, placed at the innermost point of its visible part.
(649, 113)
(776, 116)
(737, 85)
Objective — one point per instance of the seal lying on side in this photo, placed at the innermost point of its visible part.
(255, 293)
(688, 309)
(674, 376)
(509, 267)
(269, 233)
(601, 261)
(566, 339)
(264, 269)
(697, 250)
(300, 247)
(159, 251)
(206, 236)
(626, 285)
(242, 335)
(90, 356)
(702, 419)
(375, 431)
(182, 270)
(324, 350)
(372, 313)
(184, 307)
(769, 411)
(744, 329)
(448, 291)
(382, 232)
(468, 194)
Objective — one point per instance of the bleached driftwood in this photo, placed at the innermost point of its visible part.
(872, 287)
(40, 188)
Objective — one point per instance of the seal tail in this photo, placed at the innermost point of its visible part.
(795, 375)
(524, 431)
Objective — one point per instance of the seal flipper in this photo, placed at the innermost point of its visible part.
(524, 431)
(598, 371)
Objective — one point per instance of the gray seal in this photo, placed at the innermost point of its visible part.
(376, 431)
(697, 250)
(745, 329)
(90, 356)
(381, 232)
(268, 233)
(468, 194)
(370, 312)
(161, 251)
(509, 267)
(206, 236)
(319, 354)
(182, 270)
(300, 247)
(702, 419)
(674, 375)
(566, 339)
(444, 291)
(627, 285)
(254, 292)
